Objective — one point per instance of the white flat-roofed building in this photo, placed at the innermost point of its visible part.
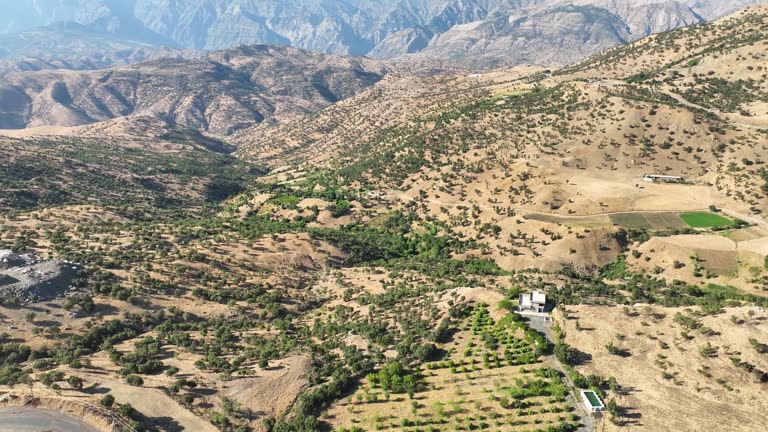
(534, 301)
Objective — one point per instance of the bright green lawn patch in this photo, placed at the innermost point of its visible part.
(285, 201)
(705, 220)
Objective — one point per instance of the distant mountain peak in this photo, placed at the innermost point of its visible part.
(453, 30)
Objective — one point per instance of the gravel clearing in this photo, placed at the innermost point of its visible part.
(30, 278)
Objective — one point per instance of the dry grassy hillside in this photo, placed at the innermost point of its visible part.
(394, 101)
(673, 376)
(365, 281)
(541, 166)
(540, 130)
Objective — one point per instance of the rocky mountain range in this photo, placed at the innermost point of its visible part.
(478, 33)
(76, 62)
(68, 45)
(219, 93)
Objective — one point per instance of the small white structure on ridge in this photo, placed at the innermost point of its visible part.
(657, 178)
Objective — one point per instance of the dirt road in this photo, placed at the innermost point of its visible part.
(544, 326)
(30, 419)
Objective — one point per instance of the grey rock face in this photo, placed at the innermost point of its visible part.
(555, 36)
(29, 278)
(453, 29)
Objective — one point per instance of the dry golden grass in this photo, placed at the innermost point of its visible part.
(685, 399)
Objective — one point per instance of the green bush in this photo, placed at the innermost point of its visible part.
(134, 380)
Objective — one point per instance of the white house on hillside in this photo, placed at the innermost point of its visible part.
(534, 301)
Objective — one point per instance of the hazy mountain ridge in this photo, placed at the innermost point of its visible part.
(473, 32)
(555, 36)
(221, 92)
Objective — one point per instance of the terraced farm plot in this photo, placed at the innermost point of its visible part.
(631, 220)
(640, 220)
(653, 221)
(665, 220)
(747, 234)
(594, 221)
(705, 220)
(719, 262)
(491, 379)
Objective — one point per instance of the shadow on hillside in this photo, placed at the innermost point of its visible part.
(163, 423)
(628, 416)
(579, 358)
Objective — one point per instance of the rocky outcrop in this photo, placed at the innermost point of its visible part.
(555, 36)
(28, 277)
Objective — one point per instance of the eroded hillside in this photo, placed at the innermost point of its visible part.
(220, 92)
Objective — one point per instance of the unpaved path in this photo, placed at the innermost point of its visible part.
(544, 326)
(30, 419)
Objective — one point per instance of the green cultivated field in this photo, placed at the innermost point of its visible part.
(705, 220)
(670, 220)
(658, 221)
(631, 220)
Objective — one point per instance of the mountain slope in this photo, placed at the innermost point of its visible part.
(221, 92)
(146, 165)
(670, 104)
(556, 35)
(383, 253)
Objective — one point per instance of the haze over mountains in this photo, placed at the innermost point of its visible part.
(477, 33)
(235, 88)
(220, 93)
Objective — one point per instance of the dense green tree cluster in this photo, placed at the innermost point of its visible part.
(395, 378)
(143, 360)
